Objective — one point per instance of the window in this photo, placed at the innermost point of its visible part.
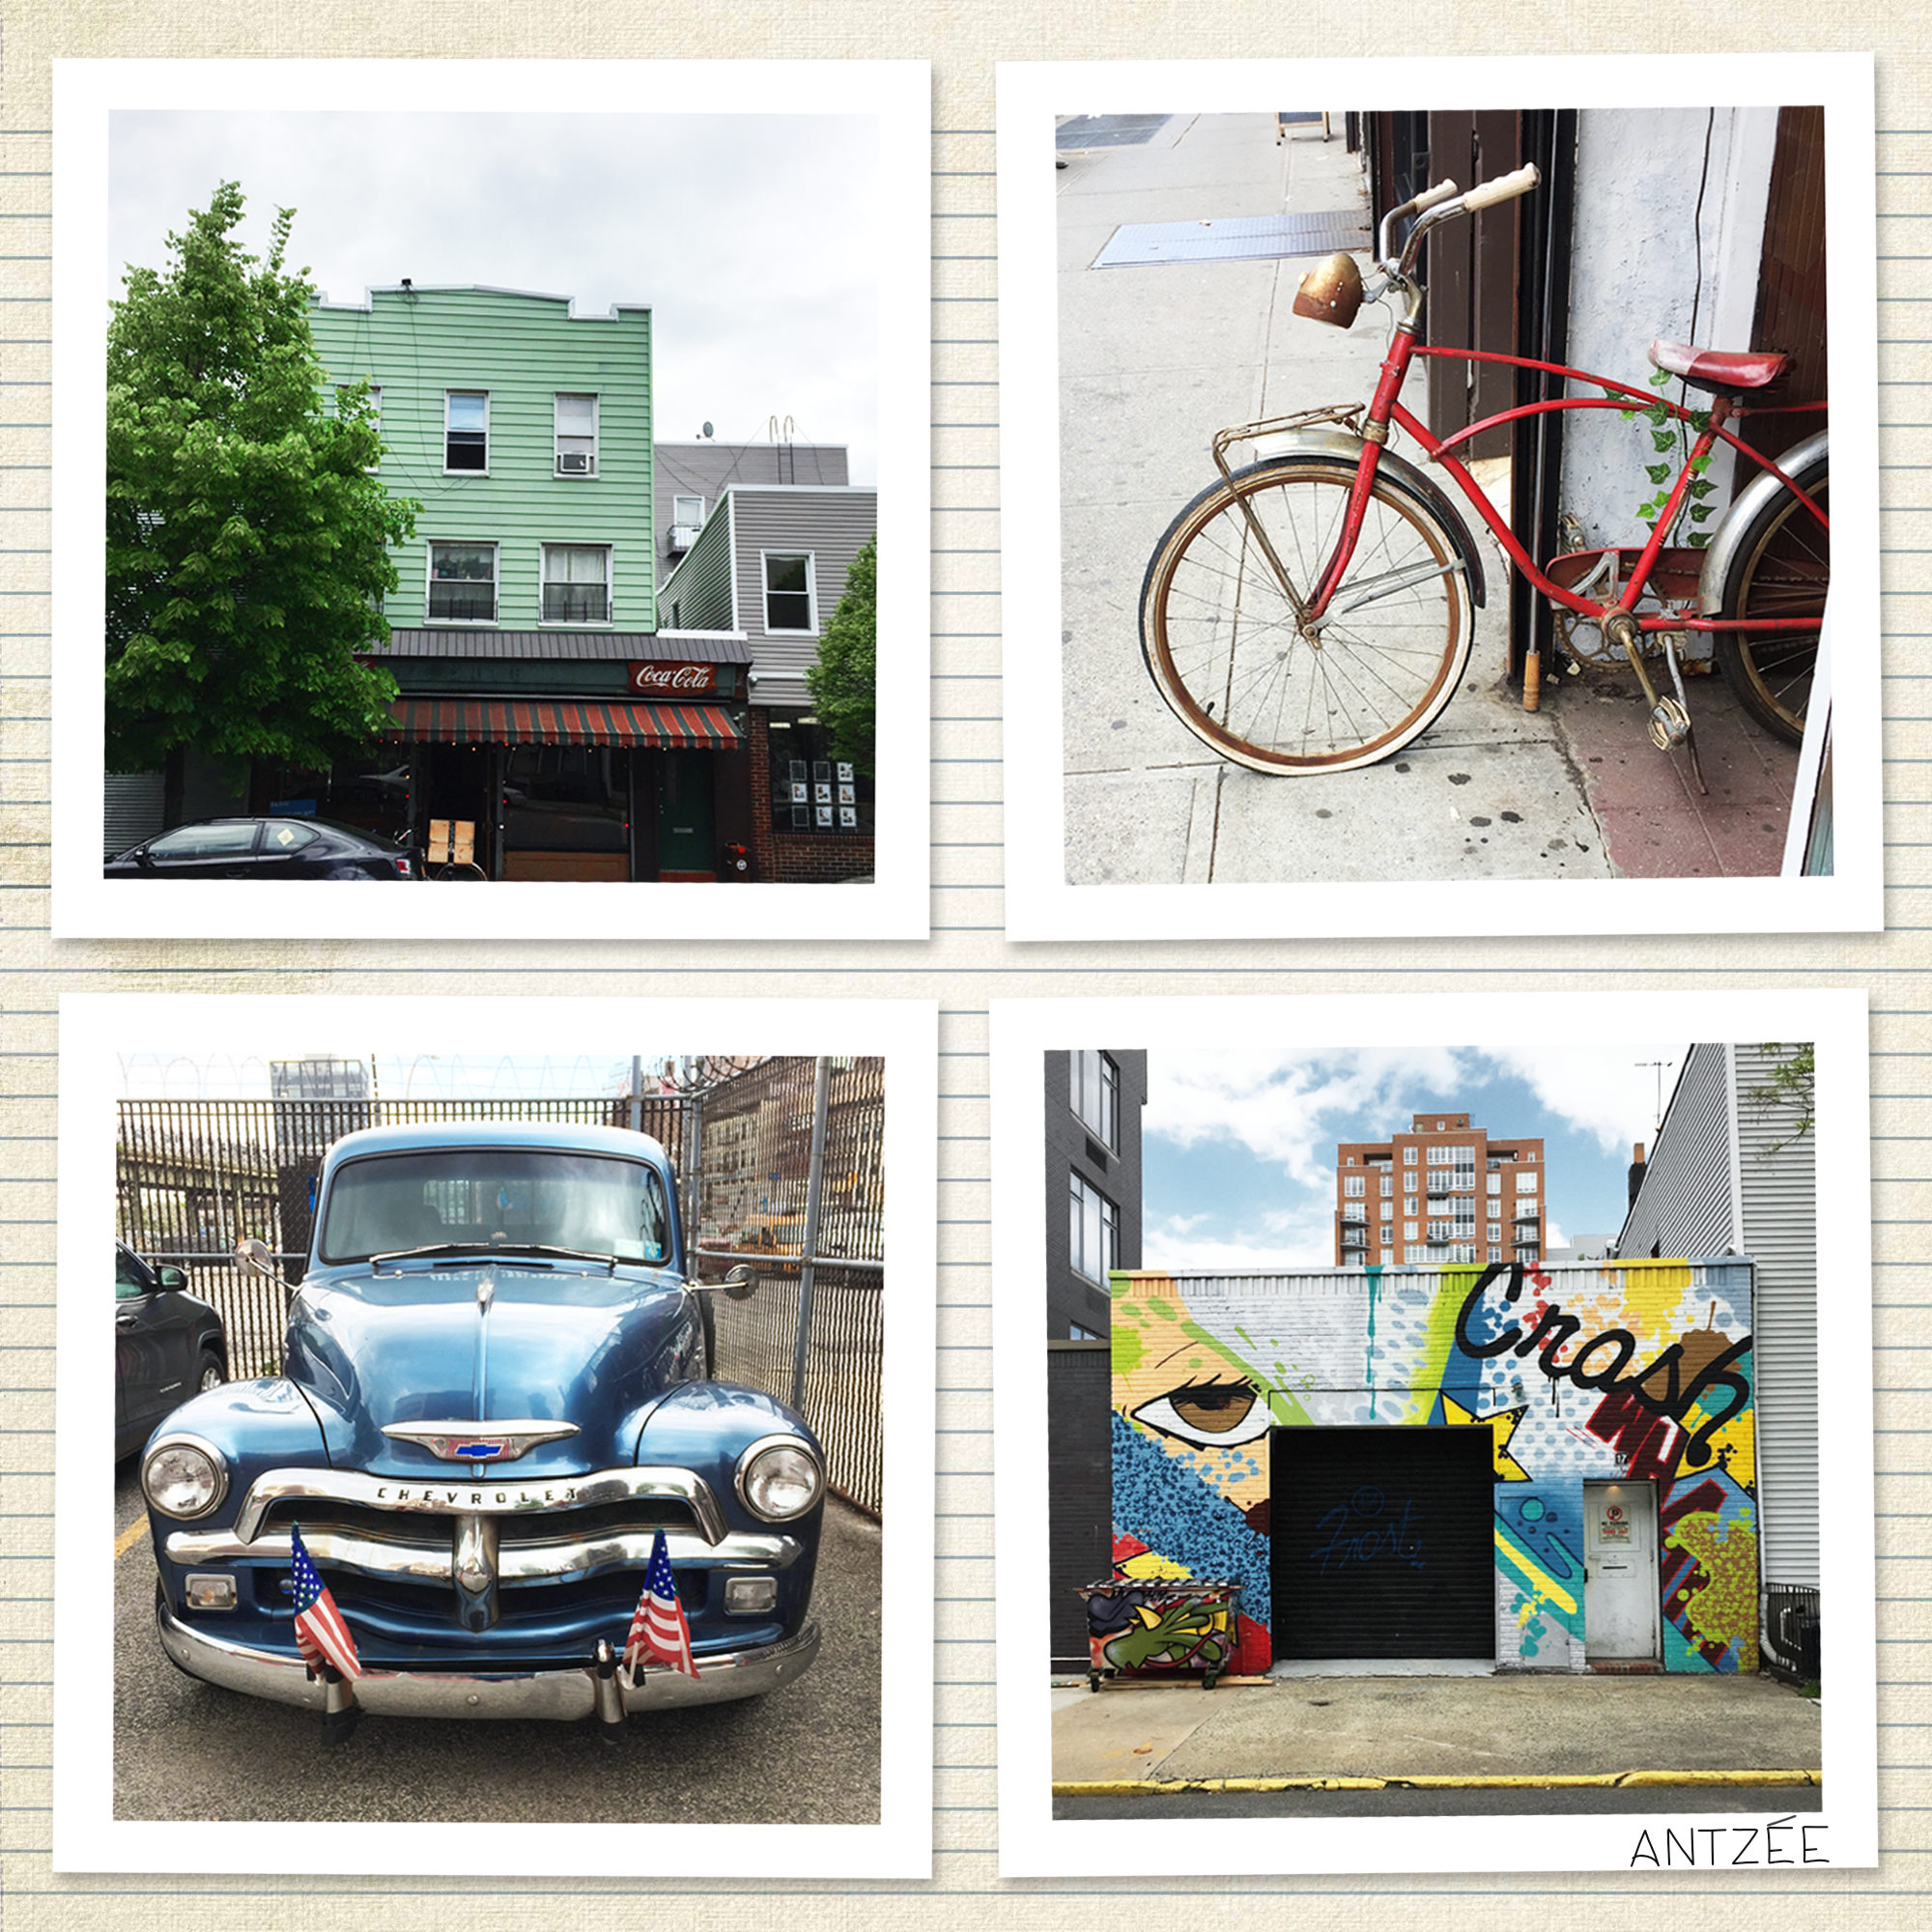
(463, 583)
(1076, 1333)
(1495, 1184)
(1388, 1185)
(1409, 1156)
(575, 422)
(466, 429)
(1495, 1229)
(1352, 1186)
(1409, 1183)
(814, 790)
(1496, 1254)
(1095, 1230)
(222, 839)
(1525, 1183)
(577, 584)
(1388, 1211)
(687, 511)
(1409, 1231)
(788, 602)
(1442, 1156)
(1094, 1087)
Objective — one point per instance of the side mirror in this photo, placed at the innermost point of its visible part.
(256, 1257)
(171, 1278)
(740, 1283)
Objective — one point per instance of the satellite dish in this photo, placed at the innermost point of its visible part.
(707, 431)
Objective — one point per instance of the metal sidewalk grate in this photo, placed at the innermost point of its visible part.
(1108, 131)
(1247, 238)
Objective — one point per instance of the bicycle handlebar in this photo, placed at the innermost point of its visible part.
(1503, 188)
(1429, 197)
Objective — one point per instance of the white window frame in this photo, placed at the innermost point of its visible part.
(1409, 1231)
(1525, 1183)
(810, 559)
(688, 523)
(495, 550)
(609, 617)
(1388, 1185)
(1353, 1185)
(1409, 1156)
(557, 433)
(447, 394)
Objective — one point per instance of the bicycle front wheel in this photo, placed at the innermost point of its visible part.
(1233, 660)
(1782, 569)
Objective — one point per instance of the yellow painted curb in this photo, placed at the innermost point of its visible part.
(1603, 1781)
(130, 1536)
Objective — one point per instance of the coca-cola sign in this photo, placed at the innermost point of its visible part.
(672, 677)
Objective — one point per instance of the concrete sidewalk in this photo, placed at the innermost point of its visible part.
(1153, 360)
(1477, 1730)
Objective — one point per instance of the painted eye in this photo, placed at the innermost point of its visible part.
(1210, 1414)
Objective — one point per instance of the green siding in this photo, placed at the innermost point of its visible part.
(700, 586)
(524, 350)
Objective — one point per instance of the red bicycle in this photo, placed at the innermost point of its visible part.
(1312, 611)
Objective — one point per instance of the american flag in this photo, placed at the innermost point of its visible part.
(659, 1629)
(320, 1635)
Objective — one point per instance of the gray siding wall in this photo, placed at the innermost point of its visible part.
(832, 525)
(134, 809)
(1683, 1207)
(701, 585)
(1777, 1179)
(708, 470)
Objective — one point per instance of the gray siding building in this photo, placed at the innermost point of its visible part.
(1733, 1173)
(689, 477)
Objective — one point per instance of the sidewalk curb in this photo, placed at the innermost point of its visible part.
(1127, 1787)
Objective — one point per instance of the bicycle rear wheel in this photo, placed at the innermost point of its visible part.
(1782, 569)
(1227, 651)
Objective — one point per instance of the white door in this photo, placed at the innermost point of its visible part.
(1620, 1607)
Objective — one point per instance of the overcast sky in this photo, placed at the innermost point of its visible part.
(752, 237)
(422, 1076)
(1238, 1166)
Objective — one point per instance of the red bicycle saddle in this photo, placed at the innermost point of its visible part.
(1719, 372)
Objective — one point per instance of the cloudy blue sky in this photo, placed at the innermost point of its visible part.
(1239, 1148)
(752, 237)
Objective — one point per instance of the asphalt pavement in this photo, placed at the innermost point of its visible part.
(806, 1754)
(1419, 1743)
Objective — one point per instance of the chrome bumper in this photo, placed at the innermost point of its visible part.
(561, 1695)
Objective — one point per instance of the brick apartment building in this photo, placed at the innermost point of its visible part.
(1442, 1192)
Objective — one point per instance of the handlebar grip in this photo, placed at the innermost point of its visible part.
(1429, 197)
(1504, 187)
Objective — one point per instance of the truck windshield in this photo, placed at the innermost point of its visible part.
(503, 1197)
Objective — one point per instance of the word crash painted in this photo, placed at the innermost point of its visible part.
(1553, 1468)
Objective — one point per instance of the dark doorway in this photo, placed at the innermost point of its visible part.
(1383, 1542)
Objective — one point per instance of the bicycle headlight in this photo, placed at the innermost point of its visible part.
(1331, 292)
(183, 1476)
(779, 1478)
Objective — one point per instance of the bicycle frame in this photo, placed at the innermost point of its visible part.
(1386, 407)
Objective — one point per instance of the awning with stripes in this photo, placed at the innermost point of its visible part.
(561, 721)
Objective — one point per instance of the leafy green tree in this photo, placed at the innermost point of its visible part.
(247, 536)
(844, 681)
(1792, 1089)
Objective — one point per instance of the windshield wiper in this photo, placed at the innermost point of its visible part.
(491, 1248)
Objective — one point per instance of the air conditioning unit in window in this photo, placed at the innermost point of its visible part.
(573, 463)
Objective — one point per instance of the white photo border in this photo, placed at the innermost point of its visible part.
(95, 1028)
(1040, 902)
(1033, 1842)
(895, 904)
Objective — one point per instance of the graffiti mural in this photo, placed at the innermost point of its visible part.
(1638, 1370)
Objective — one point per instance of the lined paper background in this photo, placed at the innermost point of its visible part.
(967, 961)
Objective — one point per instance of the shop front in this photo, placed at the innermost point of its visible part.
(601, 757)
(1540, 1469)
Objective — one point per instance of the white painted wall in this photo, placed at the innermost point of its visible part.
(1635, 276)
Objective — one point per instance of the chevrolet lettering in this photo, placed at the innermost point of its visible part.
(488, 1294)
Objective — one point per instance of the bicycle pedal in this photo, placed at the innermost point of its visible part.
(1669, 725)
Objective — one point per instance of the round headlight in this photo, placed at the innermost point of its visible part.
(780, 1478)
(183, 1476)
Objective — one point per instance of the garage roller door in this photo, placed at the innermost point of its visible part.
(1383, 1543)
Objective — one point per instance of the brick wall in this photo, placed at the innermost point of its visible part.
(796, 858)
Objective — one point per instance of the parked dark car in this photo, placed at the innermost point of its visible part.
(264, 848)
(168, 1344)
(497, 1392)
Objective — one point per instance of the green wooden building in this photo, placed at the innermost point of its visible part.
(539, 704)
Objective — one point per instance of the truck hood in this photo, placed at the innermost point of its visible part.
(474, 1342)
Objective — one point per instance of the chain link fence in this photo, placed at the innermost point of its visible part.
(781, 1165)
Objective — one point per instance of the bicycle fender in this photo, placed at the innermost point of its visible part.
(1722, 550)
(1400, 474)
